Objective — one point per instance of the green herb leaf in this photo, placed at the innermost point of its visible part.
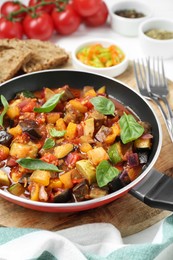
(50, 104)
(105, 173)
(55, 133)
(5, 105)
(28, 94)
(130, 129)
(103, 105)
(114, 153)
(49, 143)
(36, 164)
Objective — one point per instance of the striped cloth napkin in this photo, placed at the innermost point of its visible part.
(100, 241)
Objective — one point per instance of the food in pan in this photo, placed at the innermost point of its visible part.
(69, 145)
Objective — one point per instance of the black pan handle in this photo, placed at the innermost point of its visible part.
(155, 190)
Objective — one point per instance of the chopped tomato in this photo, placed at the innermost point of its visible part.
(27, 105)
(72, 158)
(11, 162)
(50, 158)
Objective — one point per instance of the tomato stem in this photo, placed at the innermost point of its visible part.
(60, 5)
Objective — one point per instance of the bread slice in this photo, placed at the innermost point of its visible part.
(12, 60)
(28, 55)
(46, 55)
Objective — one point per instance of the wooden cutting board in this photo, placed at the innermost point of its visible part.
(128, 214)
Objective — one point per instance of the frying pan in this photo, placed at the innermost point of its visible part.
(152, 187)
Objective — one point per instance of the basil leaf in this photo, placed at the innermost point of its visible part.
(36, 164)
(55, 133)
(6, 106)
(49, 143)
(28, 94)
(103, 105)
(50, 104)
(105, 173)
(130, 129)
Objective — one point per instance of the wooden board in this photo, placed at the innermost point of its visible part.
(128, 214)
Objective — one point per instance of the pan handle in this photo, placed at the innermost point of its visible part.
(155, 190)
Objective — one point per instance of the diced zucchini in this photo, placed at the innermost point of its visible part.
(16, 189)
(62, 150)
(87, 170)
(4, 180)
(89, 127)
(115, 153)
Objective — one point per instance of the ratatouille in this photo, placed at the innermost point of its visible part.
(67, 145)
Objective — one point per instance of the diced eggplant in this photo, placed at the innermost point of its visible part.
(103, 132)
(133, 159)
(25, 179)
(143, 144)
(99, 119)
(147, 127)
(63, 197)
(124, 178)
(115, 184)
(96, 192)
(143, 157)
(5, 138)
(67, 93)
(81, 191)
(31, 128)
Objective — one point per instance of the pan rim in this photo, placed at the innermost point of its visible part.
(95, 201)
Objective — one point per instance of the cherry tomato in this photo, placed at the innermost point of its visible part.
(9, 29)
(86, 7)
(67, 21)
(9, 6)
(45, 8)
(39, 27)
(99, 18)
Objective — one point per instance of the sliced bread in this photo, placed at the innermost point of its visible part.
(11, 61)
(46, 55)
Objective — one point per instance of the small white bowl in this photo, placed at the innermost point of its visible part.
(112, 71)
(128, 26)
(153, 47)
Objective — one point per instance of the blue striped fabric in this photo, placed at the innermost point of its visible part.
(83, 242)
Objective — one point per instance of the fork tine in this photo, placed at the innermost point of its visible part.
(163, 73)
(140, 79)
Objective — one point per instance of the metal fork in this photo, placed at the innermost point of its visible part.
(141, 76)
(158, 82)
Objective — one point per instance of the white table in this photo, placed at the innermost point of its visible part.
(132, 47)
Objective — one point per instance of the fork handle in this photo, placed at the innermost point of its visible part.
(169, 110)
(155, 190)
(168, 121)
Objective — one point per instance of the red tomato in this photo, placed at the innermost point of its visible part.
(9, 29)
(27, 106)
(98, 18)
(67, 21)
(50, 158)
(72, 158)
(86, 7)
(40, 27)
(10, 6)
(45, 8)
